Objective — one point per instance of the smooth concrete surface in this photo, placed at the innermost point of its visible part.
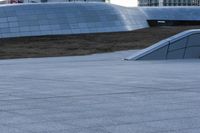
(99, 94)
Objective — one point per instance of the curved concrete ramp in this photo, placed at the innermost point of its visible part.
(184, 45)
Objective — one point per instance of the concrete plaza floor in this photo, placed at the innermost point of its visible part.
(99, 94)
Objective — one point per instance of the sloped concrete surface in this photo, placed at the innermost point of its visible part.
(99, 94)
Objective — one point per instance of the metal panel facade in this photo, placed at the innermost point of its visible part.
(169, 2)
(67, 18)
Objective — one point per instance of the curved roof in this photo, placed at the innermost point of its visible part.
(67, 18)
(183, 45)
(77, 18)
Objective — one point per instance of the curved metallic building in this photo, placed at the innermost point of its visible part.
(67, 18)
(77, 18)
(172, 13)
(184, 45)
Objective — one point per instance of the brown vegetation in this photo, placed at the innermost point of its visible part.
(68, 45)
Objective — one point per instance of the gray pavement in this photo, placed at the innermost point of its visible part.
(99, 94)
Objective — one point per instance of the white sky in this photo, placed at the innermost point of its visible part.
(127, 3)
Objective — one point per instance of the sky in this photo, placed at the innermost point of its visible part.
(127, 3)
